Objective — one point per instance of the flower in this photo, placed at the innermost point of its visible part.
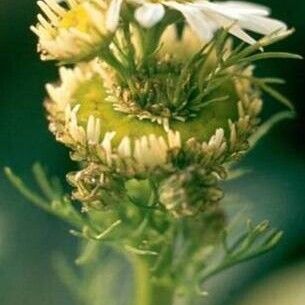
(71, 34)
(186, 192)
(205, 17)
(82, 94)
(113, 136)
(114, 147)
(82, 118)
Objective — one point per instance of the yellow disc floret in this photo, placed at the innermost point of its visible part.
(73, 32)
(77, 18)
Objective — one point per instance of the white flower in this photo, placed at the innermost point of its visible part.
(73, 31)
(204, 17)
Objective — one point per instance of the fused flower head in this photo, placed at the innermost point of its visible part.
(158, 91)
(84, 96)
(86, 116)
(71, 32)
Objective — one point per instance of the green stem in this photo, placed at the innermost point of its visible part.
(163, 294)
(149, 291)
(142, 282)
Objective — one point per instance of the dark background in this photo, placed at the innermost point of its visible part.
(28, 237)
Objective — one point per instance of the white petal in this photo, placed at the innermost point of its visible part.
(149, 14)
(113, 15)
(262, 25)
(249, 16)
(242, 35)
(247, 8)
(197, 20)
(236, 16)
(124, 148)
(232, 26)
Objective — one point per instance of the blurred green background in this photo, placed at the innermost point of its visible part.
(28, 237)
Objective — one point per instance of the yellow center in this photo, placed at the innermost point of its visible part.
(91, 97)
(77, 18)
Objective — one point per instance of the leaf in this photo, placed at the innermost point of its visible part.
(265, 128)
(272, 80)
(52, 204)
(214, 100)
(276, 95)
(256, 241)
(269, 55)
(26, 192)
(265, 41)
(44, 183)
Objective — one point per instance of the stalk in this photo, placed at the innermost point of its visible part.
(147, 290)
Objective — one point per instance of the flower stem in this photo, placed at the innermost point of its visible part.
(147, 291)
(142, 293)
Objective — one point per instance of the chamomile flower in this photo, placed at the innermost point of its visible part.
(81, 116)
(205, 17)
(71, 32)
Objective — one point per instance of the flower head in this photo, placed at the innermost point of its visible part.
(72, 32)
(114, 143)
(83, 94)
(190, 191)
(141, 110)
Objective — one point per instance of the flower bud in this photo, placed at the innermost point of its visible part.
(187, 192)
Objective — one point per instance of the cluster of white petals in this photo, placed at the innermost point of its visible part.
(80, 30)
(204, 17)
